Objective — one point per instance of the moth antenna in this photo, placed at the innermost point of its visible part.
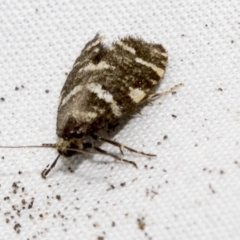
(44, 145)
(48, 168)
(158, 94)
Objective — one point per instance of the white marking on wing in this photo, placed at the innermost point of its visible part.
(136, 94)
(76, 64)
(164, 54)
(96, 67)
(98, 40)
(158, 51)
(164, 63)
(153, 81)
(105, 95)
(126, 47)
(84, 116)
(72, 93)
(156, 69)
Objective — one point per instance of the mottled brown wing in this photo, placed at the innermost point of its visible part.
(106, 83)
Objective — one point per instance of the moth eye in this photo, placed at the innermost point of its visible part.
(87, 145)
(75, 134)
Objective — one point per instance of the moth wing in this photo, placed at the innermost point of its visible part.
(108, 83)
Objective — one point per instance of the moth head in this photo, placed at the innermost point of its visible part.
(70, 128)
(64, 146)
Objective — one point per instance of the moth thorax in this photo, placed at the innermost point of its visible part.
(66, 146)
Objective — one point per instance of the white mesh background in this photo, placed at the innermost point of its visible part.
(191, 190)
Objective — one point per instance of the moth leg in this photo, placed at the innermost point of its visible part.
(122, 146)
(158, 94)
(115, 156)
(48, 168)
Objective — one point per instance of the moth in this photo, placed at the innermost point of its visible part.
(105, 84)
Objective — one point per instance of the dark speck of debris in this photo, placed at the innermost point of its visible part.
(23, 201)
(96, 225)
(19, 172)
(113, 224)
(158, 143)
(2, 99)
(40, 215)
(220, 89)
(210, 187)
(7, 220)
(122, 184)
(58, 197)
(111, 187)
(165, 137)
(100, 238)
(16, 88)
(221, 172)
(17, 227)
(46, 91)
(15, 187)
(173, 93)
(232, 41)
(31, 203)
(2, 157)
(6, 198)
(141, 224)
(135, 179)
(174, 116)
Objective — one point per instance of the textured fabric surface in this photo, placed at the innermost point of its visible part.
(191, 190)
